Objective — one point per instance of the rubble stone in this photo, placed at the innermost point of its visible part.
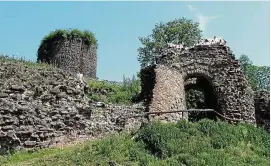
(43, 119)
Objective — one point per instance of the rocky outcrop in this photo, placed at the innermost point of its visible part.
(41, 106)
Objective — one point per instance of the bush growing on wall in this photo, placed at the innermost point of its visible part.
(47, 42)
(114, 92)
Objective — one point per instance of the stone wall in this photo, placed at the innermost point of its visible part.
(262, 109)
(163, 90)
(40, 107)
(70, 55)
(216, 65)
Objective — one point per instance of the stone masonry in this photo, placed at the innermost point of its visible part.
(212, 63)
(70, 55)
(44, 106)
(158, 86)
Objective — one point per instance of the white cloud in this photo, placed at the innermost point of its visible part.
(192, 9)
(203, 20)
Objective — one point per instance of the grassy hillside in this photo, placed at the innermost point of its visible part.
(185, 143)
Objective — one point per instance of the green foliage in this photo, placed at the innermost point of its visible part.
(87, 36)
(113, 92)
(159, 144)
(23, 61)
(258, 76)
(110, 149)
(178, 31)
(207, 143)
(194, 99)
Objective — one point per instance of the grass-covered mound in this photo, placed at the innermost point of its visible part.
(185, 143)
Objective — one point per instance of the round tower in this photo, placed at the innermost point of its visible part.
(71, 50)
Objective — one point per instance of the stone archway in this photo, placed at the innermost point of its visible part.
(234, 96)
(199, 94)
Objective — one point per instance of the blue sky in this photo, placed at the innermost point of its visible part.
(117, 25)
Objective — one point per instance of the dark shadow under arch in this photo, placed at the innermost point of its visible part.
(200, 94)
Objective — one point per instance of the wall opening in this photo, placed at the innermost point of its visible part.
(199, 94)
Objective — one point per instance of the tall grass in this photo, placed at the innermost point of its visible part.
(124, 92)
(157, 144)
(24, 61)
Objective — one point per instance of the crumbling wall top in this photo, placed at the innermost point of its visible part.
(171, 51)
(201, 42)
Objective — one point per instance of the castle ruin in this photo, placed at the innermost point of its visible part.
(70, 53)
(52, 107)
(209, 66)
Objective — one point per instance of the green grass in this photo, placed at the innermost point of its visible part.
(113, 92)
(158, 144)
(87, 36)
(23, 61)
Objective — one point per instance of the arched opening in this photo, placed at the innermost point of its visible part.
(199, 94)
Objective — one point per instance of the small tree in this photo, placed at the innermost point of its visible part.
(178, 31)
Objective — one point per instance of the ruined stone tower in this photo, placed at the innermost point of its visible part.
(207, 66)
(71, 50)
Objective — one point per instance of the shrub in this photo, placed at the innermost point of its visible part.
(159, 138)
(114, 92)
(87, 36)
(206, 143)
